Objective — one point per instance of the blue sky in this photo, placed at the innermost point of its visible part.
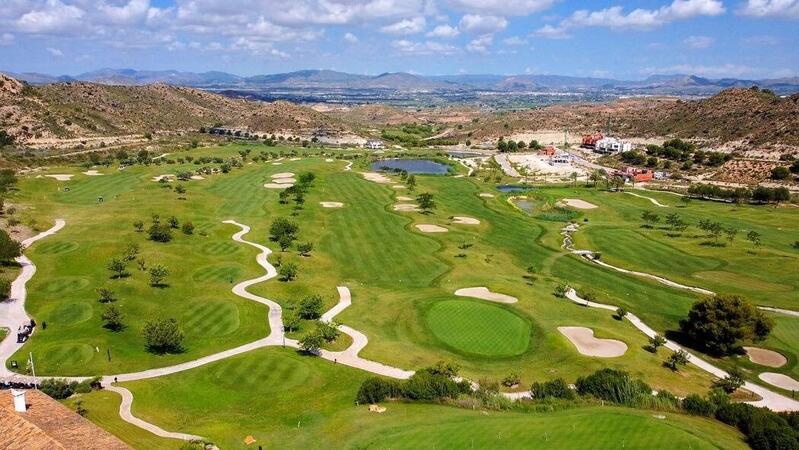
(625, 39)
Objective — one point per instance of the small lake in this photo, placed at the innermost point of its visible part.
(421, 166)
(513, 188)
(525, 205)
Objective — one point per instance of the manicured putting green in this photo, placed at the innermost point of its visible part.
(477, 328)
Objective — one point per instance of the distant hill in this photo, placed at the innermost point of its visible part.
(679, 84)
(79, 109)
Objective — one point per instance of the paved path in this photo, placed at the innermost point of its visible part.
(12, 311)
(780, 311)
(507, 167)
(125, 414)
(654, 201)
(348, 167)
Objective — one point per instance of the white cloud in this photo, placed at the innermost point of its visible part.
(615, 17)
(258, 48)
(424, 48)
(481, 44)
(473, 23)
(514, 40)
(771, 8)
(6, 39)
(133, 11)
(55, 52)
(550, 32)
(351, 38)
(406, 26)
(698, 42)
(761, 41)
(444, 31)
(500, 7)
(53, 16)
(723, 70)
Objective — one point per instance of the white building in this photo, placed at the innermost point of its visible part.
(612, 145)
(374, 144)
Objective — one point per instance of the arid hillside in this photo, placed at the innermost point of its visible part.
(78, 110)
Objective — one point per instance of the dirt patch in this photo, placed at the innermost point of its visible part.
(376, 177)
(780, 380)
(484, 294)
(765, 357)
(60, 176)
(428, 228)
(331, 204)
(406, 207)
(583, 338)
(577, 203)
(463, 220)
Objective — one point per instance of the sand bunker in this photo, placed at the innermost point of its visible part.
(276, 163)
(167, 177)
(406, 207)
(583, 338)
(780, 380)
(284, 180)
(283, 175)
(463, 220)
(329, 160)
(579, 204)
(484, 294)
(376, 177)
(295, 159)
(276, 186)
(197, 177)
(399, 186)
(486, 195)
(403, 198)
(92, 173)
(331, 204)
(427, 228)
(765, 357)
(61, 177)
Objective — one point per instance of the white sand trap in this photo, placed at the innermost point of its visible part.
(765, 357)
(780, 380)
(484, 294)
(197, 177)
(331, 204)
(403, 198)
(92, 173)
(428, 228)
(277, 186)
(486, 195)
(406, 207)
(277, 163)
(295, 159)
(167, 177)
(376, 177)
(60, 177)
(329, 160)
(284, 180)
(583, 338)
(579, 204)
(399, 186)
(463, 220)
(283, 175)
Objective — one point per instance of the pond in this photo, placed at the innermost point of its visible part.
(421, 166)
(525, 205)
(513, 188)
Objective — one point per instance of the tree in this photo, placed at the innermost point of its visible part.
(733, 380)
(306, 178)
(157, 275)
(173, 222)
(160, 232)
(426, 202)
(722, 324)
(163, 336)
(9, 248)
(651, 218)
(677, 359)
(285, 242)
(131, 251)
(287, 272)
(187, 227)
(138, 226)
(780, 173)
(328, 331)
(106, 295)
(596, 175)
(656, 342)
(620, 313)
(731, 233)
(411, 183)
(753, 237)
(5, 289)
(117, 267)
(112, 318)
(5, 138)
(180, 189)
(311, 343)
(282, 227)
(311, 307)
(305, 248)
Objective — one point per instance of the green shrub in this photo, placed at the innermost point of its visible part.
(58, 389)
(556, 388)
(613, 385)
(375, 390)
(696, 405)
(424, 385)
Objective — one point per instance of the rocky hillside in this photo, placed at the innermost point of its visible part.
(76, 110)
(741, 116)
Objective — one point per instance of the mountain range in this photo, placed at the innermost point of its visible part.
(329, 80)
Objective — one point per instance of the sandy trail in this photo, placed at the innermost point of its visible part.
(463, 220)
(429, 228)
(780, 380)
(588, 345)
(483, 293)
(765, 357)
(579, 204)
(654, 201)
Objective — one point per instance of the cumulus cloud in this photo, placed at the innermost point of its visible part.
(770, 8)
(616, 18)
(53, 16)
(514, 40)
(474, 23)
(406, 26)
(500, 7)
(257, 47)
(131, 12)
(481, 44)
(55, 52)
(444, 31)
(351, 38)
(698, 42)
(423, 48)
